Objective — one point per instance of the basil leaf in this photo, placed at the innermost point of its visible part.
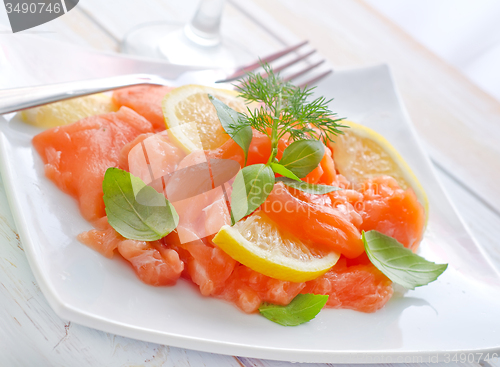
(278, 168)
(231, 123)
(134, 210)
(303, 308)
(251, 187)
(398, 263)
(302, 156)
(307, 187)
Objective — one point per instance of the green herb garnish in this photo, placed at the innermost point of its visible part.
(285, 111)
(303, 308)
(134, 210)
(398, 263)
(251, 187)
(302, 156)
(230, 121)
(282, 170)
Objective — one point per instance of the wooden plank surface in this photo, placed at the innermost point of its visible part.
(34, 335)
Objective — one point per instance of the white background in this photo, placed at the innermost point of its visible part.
(465, 33)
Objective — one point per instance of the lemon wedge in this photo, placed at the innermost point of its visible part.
(361, 153)
(258, 243)
(68, 111)
(192, 119)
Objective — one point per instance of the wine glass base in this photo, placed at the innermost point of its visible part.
(168, 41)
(144, 39)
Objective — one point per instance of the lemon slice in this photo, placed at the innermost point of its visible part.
(191, 118)
(258, 243)
(361, 153)
(68, 111)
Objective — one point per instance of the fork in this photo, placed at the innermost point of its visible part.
(12, 100)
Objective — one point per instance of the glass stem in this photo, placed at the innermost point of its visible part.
(204, 28)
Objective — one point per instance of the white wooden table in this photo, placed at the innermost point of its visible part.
(458, 123)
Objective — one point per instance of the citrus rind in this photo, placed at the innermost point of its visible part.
(361, 153)
(191, 118)
(300, 267)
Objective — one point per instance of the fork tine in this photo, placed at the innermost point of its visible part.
(274, 56)
(316, 79)
(288, 64)
(303, 71)
(245, 69)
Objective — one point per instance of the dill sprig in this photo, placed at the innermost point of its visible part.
(286, 109)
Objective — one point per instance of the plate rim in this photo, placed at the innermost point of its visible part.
(71, 313)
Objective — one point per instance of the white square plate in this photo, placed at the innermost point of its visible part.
(457, 313)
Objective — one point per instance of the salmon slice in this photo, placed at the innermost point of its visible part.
(151, 157)
(316, 224)
(206, 265)
(76, 156)
(218, 275)
(328, 166)
(360, 287)
(348, 202)
(104, 239)
(247, 289)
(393, 211)
(145, 100)
(124, 153)
(259, 151)
(154, 263)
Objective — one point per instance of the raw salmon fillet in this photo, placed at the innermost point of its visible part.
(393, 211)
(145, 100)
(153, 262)
(359, 287)
(320, 224)
(334, 220)
(76, 156)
